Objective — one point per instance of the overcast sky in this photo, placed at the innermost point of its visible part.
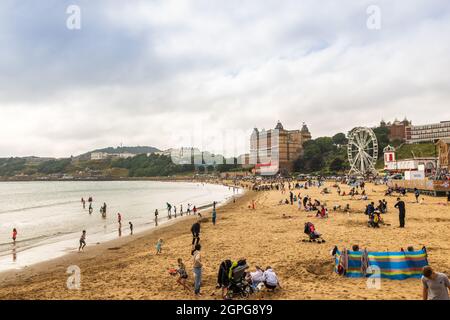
(170, 73)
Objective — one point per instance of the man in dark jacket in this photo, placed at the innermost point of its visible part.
(195, 229)
(400, 205)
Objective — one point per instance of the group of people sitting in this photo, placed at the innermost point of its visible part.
(322, 212)
(233, 278)
(399, 190)
(374, 214)
(338, 207)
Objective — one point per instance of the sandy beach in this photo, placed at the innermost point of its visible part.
(129, 269)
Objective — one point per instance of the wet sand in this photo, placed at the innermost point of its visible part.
(129, 268)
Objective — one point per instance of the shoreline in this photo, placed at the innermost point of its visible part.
(98, 251)
(158, 178)
(94, 248)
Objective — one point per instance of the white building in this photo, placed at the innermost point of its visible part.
(429, 132)
(105, 155)
(99, 155)
(408, 166)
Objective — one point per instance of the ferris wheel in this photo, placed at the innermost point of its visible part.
(362, 150)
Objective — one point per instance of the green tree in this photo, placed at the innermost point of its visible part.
(340, 139)
(337, 164)
(54, 166)
(382, 134)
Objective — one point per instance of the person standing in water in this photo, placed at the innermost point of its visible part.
(119, 219)
(131, 227)
(90, 208)
(169, 210)
(156, 217)
(181, 209)
(83, 202)
(82, 241)
(14, 235)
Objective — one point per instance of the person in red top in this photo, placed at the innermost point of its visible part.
(14, 235)
(194, 210)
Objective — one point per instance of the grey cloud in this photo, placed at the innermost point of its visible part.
(139, 70)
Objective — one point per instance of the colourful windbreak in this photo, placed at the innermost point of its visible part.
(390, 265)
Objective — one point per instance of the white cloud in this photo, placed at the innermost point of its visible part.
(139, 72)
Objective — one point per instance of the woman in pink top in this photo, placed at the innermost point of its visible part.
(14, 235)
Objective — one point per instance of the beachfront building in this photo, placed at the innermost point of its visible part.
(405, 131)
(397, 129)
(428, 132)
(274, 151)
(416, 168)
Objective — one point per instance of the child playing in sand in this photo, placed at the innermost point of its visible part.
(183, 274)
(159, 246)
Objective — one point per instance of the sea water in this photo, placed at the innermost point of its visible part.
(49, 216)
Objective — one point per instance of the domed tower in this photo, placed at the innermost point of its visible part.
(306, 135)
(279, 126)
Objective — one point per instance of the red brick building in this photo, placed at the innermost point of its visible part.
(397, 129)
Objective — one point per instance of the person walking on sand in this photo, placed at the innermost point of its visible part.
(417, 194)
(82, 241)
(159, 246)
(400, 205)
(197, 268)
(156, 217)
(195, 229)
(14, 235)
(189, 209)
(181, 209)
(435, 285)
(214, 216)
(175, 210)
(194, 210)
(131, 227)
